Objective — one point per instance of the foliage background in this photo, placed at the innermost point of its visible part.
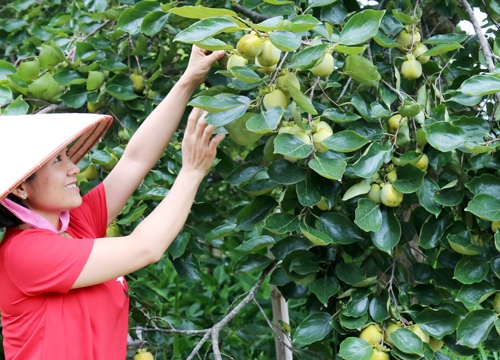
(341, 267)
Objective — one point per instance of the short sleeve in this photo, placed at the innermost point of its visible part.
(91, 217)
(40, 261)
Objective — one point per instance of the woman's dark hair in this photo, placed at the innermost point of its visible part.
(8, 219)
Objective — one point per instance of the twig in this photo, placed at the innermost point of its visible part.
(250, 296)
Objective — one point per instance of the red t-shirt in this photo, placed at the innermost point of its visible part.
(42, 317)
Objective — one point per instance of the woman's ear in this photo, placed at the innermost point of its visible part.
(20, 192)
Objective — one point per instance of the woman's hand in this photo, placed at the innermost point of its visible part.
(199, 64)
(199, 148)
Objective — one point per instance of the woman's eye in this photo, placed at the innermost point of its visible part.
(58, 158)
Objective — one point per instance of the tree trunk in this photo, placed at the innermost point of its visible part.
(281, 323)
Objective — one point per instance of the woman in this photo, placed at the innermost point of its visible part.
(63, 293)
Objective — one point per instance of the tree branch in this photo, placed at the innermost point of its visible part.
(214, 331)
(250, 296)
(252, 15)
(483, 43)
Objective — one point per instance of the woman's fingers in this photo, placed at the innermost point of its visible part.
(192, 120)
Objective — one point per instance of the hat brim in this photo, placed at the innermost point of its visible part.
(27, 142)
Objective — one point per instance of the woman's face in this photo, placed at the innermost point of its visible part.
(53, 189)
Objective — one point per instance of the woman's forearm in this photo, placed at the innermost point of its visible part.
(159, 229)
(154, 134)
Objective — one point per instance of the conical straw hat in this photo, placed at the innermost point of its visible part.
(27, 142)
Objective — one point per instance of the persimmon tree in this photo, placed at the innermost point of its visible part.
(353, 210)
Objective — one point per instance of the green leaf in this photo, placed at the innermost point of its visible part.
(471, 269)
(345, 141)
(447, 38)
(474, 329)
(221, 231)
(94, 80)
(353, 323)
(291, 146)
(306, 58)
(6, 95)
(245, 74)
(281, 223)
(378, 306)
(307, 193)
(361, 27)
(404, 18)
(302, 101)
(154, 22)
(251, 262)
(216, 103)
(339, 228)
(368, 215)
(426, 196)
(28, 70)
(45, 88)
(285, 172)
(255, 212)
(407, 341)
(442, 49)
(437, 322)
(325, 288)
(356, 307)
(314, 327)
(359, 188)
(256, 243)
(302, 262)
(201, 12)
(285, 40)
(472, 295)
(178, 246)
(353, 348)
(225, 117)
(121, 92)
(6, 68)
(480, 85)
(75, 97)
(340, 116)
(213, 44)
(18, 107)
(351, 274)
(332, 169)
(242, 173)
(50, 56)
(187, 268)
(387, 237)
(315, 236)
(349, 50)
(131, 19)
(410, 179)
(444, 136)
(259, 187)
(302, 23)
(206, 28)
(370, 162)
(432, 230)
(362, 70)
(485, 206)
(132, 215)
(111, 65)
(267, 121)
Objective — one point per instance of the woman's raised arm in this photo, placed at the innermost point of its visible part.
(112, 257)
(150, 140)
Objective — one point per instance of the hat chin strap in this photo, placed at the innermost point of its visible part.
(33, 219)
